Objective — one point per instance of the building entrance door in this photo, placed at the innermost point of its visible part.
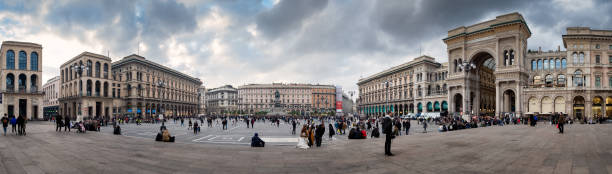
(23, 106)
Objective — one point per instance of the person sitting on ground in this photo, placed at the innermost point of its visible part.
(166, 136)
(162, 127)
(375, 132)
(117, 130)
(257, 142)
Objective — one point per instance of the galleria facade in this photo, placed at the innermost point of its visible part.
(491, 72)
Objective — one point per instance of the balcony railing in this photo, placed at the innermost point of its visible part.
(22, 89)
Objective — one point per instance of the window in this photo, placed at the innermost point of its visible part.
(34, 61)
(563, 63)
(575, 56)
(597, 59)
(552, 64)
(610, 47)
(10, 59)
(89, 68)
(534, 65)
(596, 46)
(23, 60)
(558, 63)
(610, 81)
(578, 78)
(511, 57)
(597, 81)
(581, 58)
(545, 64)
(506, 56)
(610, 59)
(561, 80)
(537, 80)
(98, 69)
(549, 80)
(540, 64)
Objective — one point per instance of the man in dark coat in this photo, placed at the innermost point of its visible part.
(58, 122)
(319, 134)
(5, 122)
(407, 126)
(20, 125)
(257, 142)
(561, 122)
(67, 123)
(388, 130)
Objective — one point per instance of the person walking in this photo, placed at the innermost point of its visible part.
(332, 132)
(388, 130)
(560, 123)
(407, 125)
(293, 124)
(5, 122)
(66, 124)
(58, 123)
(20, 121)
(319, 134)
(13, 122)
(424, 126)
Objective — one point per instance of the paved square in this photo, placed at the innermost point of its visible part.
(507, 149)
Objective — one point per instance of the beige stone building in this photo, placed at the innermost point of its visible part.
(21, 70)
(491, 72)
(292, 98)
(222, 100)
(50, 102)
(417, 86)
(94, 86)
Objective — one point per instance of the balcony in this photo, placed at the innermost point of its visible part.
(22, 89)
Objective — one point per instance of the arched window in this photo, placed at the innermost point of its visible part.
(511, 57)
(98, 69)
(98, 86)
(89, 68)
(460, 62)
(10, 82)
(537, 80)
(106, 71)
(552, 64)
(581, 58)
(549, 80)
(88, 87)
(561, 80)
(534, 65)
(23, 60)
(575, 56)
(33, 83)
(578, 78)
(22, 82)
(506, 55)
(455, 67)
(563, 63)
(10, 59)
(545, 64)
(540, 64)
(34, 61)
(558, 63)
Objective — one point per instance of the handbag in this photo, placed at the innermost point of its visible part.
(557, 126)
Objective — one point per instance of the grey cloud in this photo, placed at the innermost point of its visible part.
(287, 15)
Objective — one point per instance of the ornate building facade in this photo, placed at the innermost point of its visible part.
(21, 69)
(50, 102)
(413, 87)
(491, 72)
(292, 98)
(222, 100)
(92, 86)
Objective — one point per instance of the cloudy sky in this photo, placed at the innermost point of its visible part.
(262, 41)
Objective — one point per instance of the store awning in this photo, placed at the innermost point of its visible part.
(444, 105)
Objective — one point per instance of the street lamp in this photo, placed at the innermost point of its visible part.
(160, 85)
(466, 67)
(79, 70)
(387, 83)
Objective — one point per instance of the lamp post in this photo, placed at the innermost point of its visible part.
(160, 84)
(466, 67)
(352, 93)
(387, 83)
(79, 70)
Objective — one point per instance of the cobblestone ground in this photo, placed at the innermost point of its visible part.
(507, 149)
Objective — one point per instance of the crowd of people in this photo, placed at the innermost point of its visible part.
(18, 124)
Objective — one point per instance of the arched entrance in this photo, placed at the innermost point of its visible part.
(458, 100)
(578, 107)
(481, 84)
(597, 106)
(509, 101)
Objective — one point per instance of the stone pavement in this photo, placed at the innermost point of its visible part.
(508, 149)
